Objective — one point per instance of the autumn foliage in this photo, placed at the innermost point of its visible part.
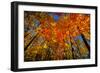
(56, 36)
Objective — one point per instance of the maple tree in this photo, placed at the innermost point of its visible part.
(56, 38)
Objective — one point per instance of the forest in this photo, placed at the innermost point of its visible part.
(56, 36)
